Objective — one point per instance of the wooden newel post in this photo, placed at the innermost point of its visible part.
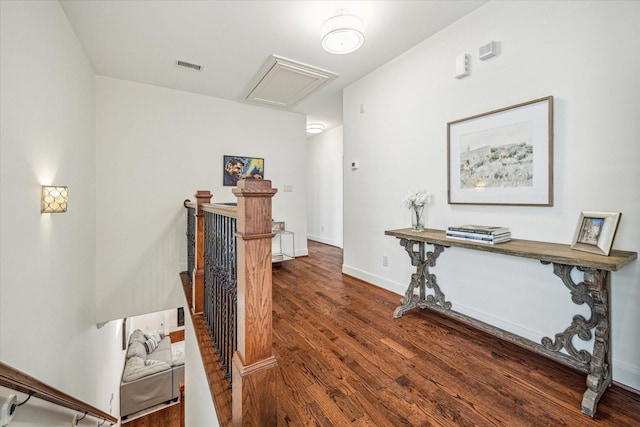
(202, 196)
(254, 366)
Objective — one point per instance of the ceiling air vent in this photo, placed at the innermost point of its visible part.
(188, 65)
(282, 82)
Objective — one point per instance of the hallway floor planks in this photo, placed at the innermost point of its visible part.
(344, 360)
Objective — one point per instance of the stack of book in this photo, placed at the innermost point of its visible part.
(479, 233)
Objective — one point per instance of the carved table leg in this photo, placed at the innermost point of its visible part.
(421, 278)
(599, 378)
(593, 291)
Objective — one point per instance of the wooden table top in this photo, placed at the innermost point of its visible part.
(543, 251)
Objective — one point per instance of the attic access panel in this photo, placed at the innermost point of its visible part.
(282, 82)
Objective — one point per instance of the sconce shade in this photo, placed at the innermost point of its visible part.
(342, 34)
(54, 199)
(315, 128)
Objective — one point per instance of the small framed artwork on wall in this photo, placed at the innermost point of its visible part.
(236, 168)
(595, 232)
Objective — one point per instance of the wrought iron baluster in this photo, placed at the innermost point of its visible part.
(218, 326)
(209, 263)
(223, 343)
(233, 279)
(221, 286)
(191, 241)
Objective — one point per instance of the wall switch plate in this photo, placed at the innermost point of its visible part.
(355, 164)
(288, 188)
(462, 65)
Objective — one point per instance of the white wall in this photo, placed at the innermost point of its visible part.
(47, 269)
(199, 408)
(162, 321)
(156, 147)
(109, 367)
(42, 413)
(324, 187)
(585, 54)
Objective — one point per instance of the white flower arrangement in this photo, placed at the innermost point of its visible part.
(415, 201)
(417, 198)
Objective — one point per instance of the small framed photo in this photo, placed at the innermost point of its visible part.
(595, 232)
(277, 227)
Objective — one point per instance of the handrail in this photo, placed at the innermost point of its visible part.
(19, 381)
(230, 210)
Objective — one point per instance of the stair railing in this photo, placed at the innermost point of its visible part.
(221, 281)
(16, 380)
(232, 291)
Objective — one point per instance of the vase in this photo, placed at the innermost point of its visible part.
(417, 218)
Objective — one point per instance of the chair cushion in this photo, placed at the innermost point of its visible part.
(136, 349)
(136, 368)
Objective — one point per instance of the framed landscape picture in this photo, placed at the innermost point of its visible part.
(595, 232)
(503, 157)
(235, 168)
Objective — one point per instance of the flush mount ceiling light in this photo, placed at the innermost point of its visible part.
(315, 128)
(342, 34)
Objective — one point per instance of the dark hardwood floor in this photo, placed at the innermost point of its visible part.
(344, 360)
(165, 417)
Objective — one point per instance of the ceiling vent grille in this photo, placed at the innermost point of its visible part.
(188, 65)
(282, 82)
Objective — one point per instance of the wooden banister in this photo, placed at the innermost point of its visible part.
(182, 404)
(224, 210)
(241, 314)
(19, 381)
(254, 366)
(202, 197)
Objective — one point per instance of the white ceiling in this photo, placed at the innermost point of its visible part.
(141, 40)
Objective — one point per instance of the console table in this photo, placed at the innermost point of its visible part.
(593, 291)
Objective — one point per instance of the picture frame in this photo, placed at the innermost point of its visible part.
(277, 227)
(595, 232)
(235, 168)
(503, 157)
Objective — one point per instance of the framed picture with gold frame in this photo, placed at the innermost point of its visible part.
(595, 232)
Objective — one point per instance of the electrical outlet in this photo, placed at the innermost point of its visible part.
(385, 261)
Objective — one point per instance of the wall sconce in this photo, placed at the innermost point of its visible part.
(54, 199)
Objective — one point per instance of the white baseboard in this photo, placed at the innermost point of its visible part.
(626, 374)
(324, 240)
(376, 280)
